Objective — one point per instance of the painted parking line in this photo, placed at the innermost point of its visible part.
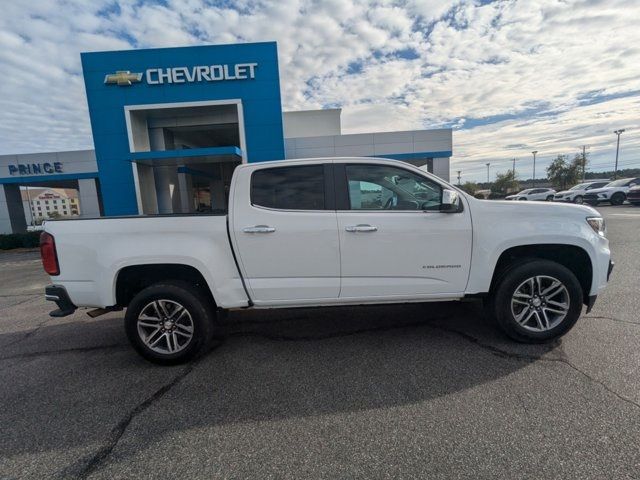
(625, 214)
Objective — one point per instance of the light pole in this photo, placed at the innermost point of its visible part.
(617, 132)
(534, 167)
(488, 164)
(459, 172)
(584, 162)
(514, 167)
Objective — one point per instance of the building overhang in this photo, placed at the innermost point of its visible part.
(191, 156)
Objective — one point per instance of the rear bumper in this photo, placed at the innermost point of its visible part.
(59, 295)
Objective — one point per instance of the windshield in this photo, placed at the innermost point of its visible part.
(580, 186)
(618, 183)
(525, 191)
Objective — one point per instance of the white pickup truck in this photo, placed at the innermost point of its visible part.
(321, 232)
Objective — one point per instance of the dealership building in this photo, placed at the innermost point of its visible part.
(170, 125)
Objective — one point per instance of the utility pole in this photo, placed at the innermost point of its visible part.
(534, 167)
(584, 162)
(514, 167)
(615, 171)
(459, 172)
(488, 164)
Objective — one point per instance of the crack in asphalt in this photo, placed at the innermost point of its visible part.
(98, 459)
(613, 319)
(65, 351)
(22, 295)
(28, 333)
(552, 346)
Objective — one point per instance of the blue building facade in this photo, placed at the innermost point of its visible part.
(172, 78)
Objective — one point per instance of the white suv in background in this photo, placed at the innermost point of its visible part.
(614, 193)
(533, 194)
(576, 193)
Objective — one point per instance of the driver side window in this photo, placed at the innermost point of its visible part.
(380, 187)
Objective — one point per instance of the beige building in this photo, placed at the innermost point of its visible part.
(45, 203)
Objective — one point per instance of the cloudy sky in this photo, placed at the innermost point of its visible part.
(509, 76)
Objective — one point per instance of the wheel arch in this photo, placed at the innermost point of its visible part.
(573, 257)
(132, 279)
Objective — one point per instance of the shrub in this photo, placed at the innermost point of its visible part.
(19, 240)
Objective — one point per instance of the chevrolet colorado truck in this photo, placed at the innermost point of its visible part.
(324, 232)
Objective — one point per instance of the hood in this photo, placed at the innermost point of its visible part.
(524, 208)
(601, 190)
(563, 192)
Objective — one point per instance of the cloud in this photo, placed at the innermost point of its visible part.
(544, 74)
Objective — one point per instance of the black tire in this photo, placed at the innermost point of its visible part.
(618, 198)
(549, 198)
(578, 199)
(201, 315)
(635, 204)
(522, 199)
(515, 276)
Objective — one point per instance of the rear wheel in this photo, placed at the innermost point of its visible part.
(536, 301)
(617, 198)
(635, 204)
(169, 323)
(578, 199)
(549, 198)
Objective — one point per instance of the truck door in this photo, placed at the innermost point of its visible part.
(394, 241)
(283, 221)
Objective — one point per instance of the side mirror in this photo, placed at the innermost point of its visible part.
(450, 201)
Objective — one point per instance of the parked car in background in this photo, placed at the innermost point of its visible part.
(614, 192)
(533, 194)
(576, 193)
(633, 196)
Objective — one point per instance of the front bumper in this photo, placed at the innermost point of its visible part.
(592, 298)
(59, 295)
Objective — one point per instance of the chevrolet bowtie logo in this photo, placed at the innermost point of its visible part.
(122, 77)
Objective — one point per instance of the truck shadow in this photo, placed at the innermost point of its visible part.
(82, 379)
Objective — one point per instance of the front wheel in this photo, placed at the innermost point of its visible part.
(549, 198)
(169, 323)
(537, 301)
(578, 199)
(617, 198)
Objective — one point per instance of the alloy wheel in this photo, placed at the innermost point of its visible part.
(540, 303)
(165, 326)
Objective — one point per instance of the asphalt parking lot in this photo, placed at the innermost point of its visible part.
(426, 391)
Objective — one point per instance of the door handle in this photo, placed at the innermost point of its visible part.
(362, 227)
(259, 229)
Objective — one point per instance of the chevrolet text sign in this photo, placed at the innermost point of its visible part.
(200, 73)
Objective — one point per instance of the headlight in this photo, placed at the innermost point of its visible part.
(598, 225)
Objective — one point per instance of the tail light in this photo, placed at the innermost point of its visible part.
(48, 254)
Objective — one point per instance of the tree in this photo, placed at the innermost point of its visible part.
(506, 182)
(470, 187)
(562, 173)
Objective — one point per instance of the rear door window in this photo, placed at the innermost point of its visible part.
(289, 188)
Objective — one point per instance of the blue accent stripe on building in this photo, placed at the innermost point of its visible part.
(410, 156)
(48, 178)
(190, 152)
